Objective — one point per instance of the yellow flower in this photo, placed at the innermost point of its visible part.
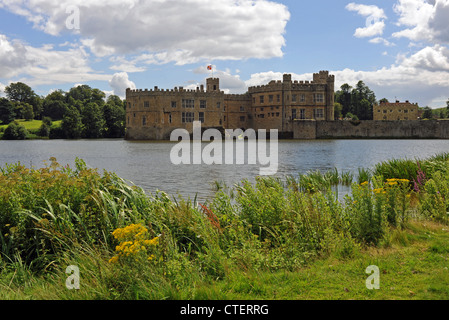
(113, 259)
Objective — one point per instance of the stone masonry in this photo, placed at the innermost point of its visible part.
(154, 114)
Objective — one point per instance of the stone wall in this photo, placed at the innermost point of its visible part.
(418, 129)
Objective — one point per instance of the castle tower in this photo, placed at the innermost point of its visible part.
(213, 85)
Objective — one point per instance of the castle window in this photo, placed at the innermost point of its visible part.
(293, 97)
(278, 98)
(129, 105)
(215, 87)
(242, 119)
(293, 114)
(144, 121)
(146, 104)
(277, 114)
(270, 98)
(318, 97)
(405, 111)
(318, 113)
(173, 104)
(201, 117)
(203, 104)
(169, 118)
(261, 109)
(303, 98)
(188, 117)
(242, 109)
(262, 99)
(218, 105)
(261, 116)
(302, 114)
(188, 103)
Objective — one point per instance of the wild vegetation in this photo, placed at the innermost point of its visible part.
(272, 239)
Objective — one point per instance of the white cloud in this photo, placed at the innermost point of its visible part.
(375, 17)
(2, 90)
(120, 82)
(419, 77)
(383, 41)
(168, 30)
(423, 20)
(44, 65)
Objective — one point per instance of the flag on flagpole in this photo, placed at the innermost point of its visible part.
(209, 67)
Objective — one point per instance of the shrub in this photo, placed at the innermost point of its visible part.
(44, 130)
(14, 131)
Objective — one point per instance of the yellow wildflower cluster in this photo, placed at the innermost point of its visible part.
(394, 182)
(391, 183)
(133, 242)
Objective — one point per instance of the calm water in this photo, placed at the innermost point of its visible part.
(148, 165)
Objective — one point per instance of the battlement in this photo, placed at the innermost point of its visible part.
(238, 97)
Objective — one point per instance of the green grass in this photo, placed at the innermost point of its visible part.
(417, 271)
(32, 126)
(263, 240)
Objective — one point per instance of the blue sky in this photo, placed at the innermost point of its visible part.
(398, 48)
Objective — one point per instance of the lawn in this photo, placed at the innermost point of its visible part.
(31, 125)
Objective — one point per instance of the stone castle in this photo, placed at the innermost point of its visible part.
(154, 114)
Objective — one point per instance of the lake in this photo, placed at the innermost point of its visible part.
(148, 165)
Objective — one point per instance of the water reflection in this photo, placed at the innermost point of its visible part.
(147, 164)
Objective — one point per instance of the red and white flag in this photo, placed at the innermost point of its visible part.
(209, 67)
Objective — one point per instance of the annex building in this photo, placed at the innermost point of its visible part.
(393, 111)
(153, 114)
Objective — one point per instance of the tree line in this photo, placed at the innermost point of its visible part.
(84, 112)
(357, 103)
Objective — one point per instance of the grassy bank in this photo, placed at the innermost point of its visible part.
(32, 127)
(275, 239)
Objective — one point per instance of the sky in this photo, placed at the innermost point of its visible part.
(399, 48)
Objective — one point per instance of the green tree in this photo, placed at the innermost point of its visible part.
(338, 110)
(114, 116)
(28, 112)
(55, 105)
(343, 96)
(72, 125)
(7, 113)
(44, 130)
(14, 131)
(447, 107)
(20, 92)
(47, 121)
(85, 94)
(428, 114)
(93, 121)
